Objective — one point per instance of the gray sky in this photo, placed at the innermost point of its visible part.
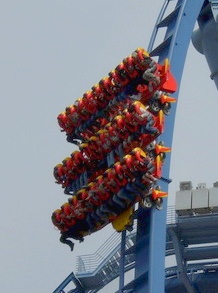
(51, 52)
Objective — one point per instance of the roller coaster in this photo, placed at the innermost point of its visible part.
(120, 173)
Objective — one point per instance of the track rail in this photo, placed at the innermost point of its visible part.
(178, 23)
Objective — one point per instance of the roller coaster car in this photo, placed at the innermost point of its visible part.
(111, 212)
(112, 193)
(112, 135)
(120, 82)
(98, 146)
(122, 115)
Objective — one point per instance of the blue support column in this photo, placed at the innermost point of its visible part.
(151, 235)
(122, 260)
(142, 253)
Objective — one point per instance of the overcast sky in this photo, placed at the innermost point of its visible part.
(51, 52)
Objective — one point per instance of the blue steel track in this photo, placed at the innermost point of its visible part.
(179, 25)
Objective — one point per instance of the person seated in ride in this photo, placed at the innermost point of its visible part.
(93, 194)
(122, 74)
(65, 123)
(117, 78)
(151, 80)
(127, 166)
(105, 140)
(142, 60)
(78, 158)
(82, 194)
(131, 124)
(90, 102)
(102, 96)
(141, 159)
(71, 172)
(103, 192)
(145, 118)
(139, 111)
(129, 65)
(60, 174)
(73, 115)
(113, 133)
(78, 207)
(95, 148)
(119, 123)
(107, 85)
(120, 174)
(69, 215)
(57, 220)
(111, 180)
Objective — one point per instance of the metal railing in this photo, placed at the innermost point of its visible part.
(90, 262)
(196, 268)
(171, 215)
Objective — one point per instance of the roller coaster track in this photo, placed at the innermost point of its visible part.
(170, 39)
(178, 25)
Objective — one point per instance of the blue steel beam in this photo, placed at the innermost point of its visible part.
(205, 280)
(150, 255)
(70, 278)
(122, 260)
(181, 263)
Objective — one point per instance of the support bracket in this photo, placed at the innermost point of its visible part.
(181, 262)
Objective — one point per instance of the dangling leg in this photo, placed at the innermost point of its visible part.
(63, 239)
